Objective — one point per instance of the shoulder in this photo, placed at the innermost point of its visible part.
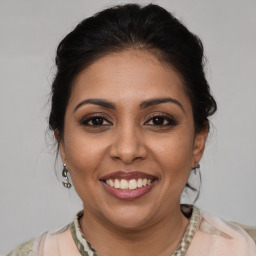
(50, 243)
(24, 249)
(223, 236)
(226, 227)
(249, 229)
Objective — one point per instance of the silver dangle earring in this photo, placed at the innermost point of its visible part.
(197, 172)
(66, 184)
(196, 169)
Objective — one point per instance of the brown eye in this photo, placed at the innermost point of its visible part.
(158, 120)
(161, 121)
(95, 121)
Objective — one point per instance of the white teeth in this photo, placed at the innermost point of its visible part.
(124, 184)
(132, 184)
(117, 183)
(139, 183)
(128, 184)
(111, 183)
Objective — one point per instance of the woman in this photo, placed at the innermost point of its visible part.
(130, 108)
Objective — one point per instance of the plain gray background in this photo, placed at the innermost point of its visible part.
(32, 198)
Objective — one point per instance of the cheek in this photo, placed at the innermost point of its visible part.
(174, 154)
(83, 154)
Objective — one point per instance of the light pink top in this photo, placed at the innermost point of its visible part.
(206, 236)
(216, 237)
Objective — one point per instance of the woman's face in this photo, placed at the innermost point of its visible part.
(129, 140)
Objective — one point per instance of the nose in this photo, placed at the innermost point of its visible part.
(128, 145)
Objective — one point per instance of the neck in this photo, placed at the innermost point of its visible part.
(161, 237)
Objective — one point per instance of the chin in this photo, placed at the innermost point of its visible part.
(129, 217)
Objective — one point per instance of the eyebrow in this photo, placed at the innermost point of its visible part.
(152, 102)
(143, 105)
(99, 102)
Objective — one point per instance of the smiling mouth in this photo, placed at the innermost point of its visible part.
(131, 184)
(128, 185)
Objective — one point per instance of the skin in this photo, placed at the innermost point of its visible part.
(128, 138)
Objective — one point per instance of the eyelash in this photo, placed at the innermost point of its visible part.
(165, 121)
(86, 121)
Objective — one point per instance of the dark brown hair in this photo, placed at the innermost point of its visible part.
(127, 26)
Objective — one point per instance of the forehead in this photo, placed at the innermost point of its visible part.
(129, 76)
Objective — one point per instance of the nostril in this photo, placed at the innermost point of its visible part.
(127, 156)
(128, 145)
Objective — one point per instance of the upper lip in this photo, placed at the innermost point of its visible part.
(127, 175)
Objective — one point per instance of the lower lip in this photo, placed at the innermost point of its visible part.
(127, 194)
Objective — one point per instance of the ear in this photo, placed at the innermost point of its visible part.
(199, 145)
(61, 145)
